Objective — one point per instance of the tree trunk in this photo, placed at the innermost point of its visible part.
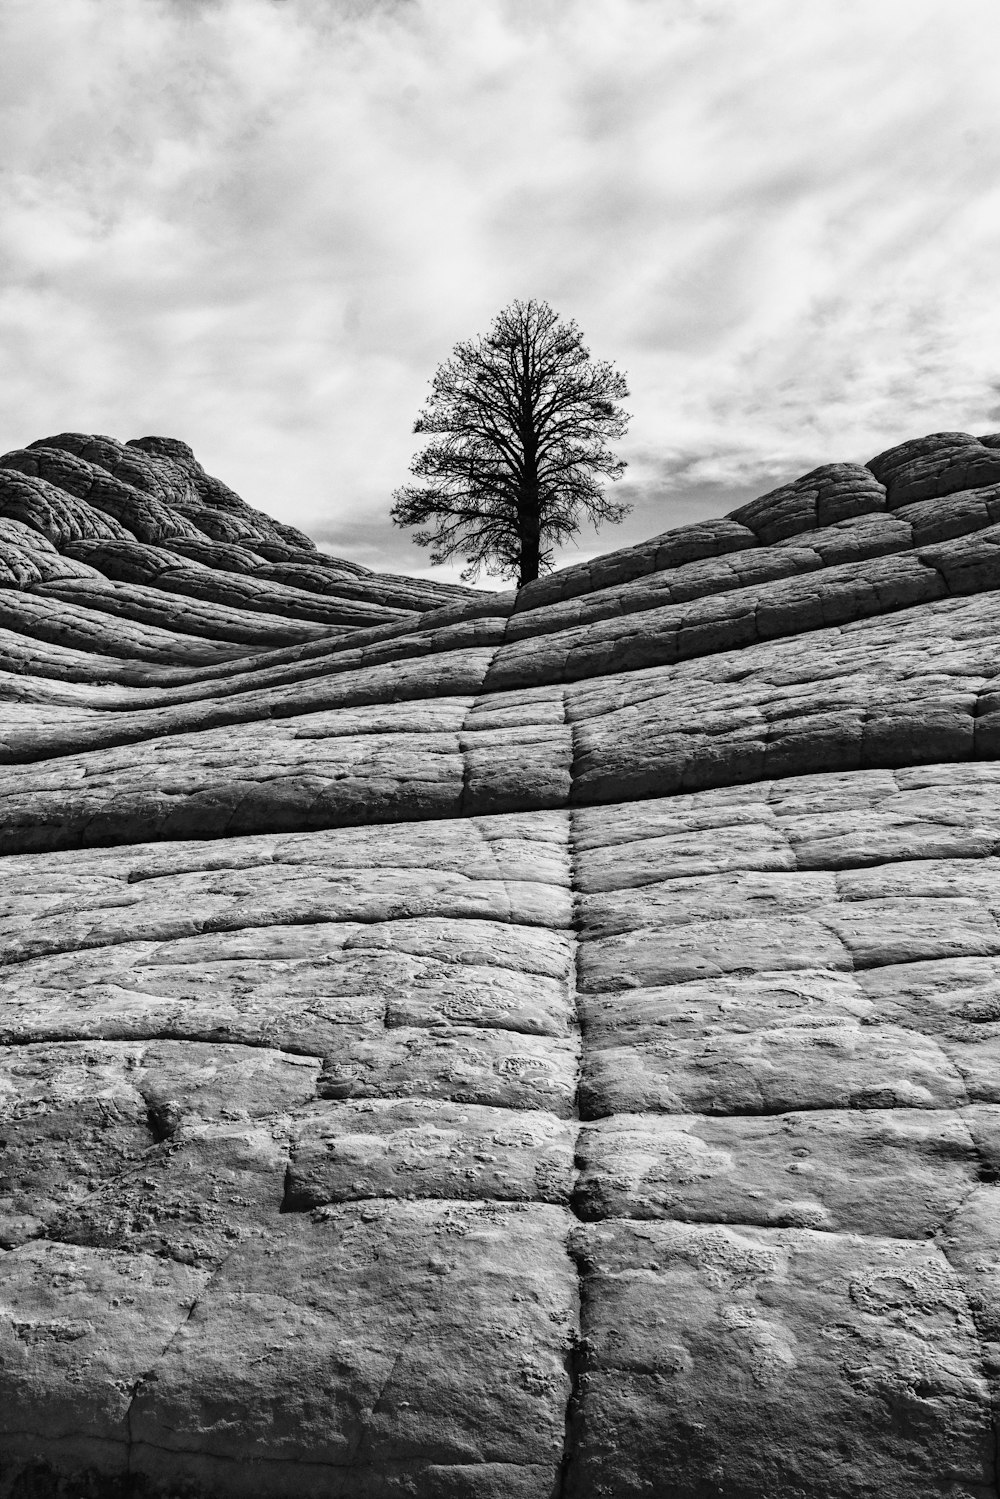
(530, 542)
(529, 517)
(530, 555)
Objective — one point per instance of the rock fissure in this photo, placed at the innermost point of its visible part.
(150, 1374)
(576, 1333)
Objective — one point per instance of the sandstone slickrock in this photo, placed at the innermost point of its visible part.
(484, 1044)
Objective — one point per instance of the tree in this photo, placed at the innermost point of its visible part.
(520, 420)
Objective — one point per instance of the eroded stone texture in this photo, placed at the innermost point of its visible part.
(485, 1045)
(347, 1355)
(758, 1361)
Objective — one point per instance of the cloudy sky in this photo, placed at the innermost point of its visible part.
(259, 225)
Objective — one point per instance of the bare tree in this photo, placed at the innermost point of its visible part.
(520, 420)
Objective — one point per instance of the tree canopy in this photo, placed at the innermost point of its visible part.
(520, 420)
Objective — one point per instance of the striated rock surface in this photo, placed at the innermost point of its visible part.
(516, 1047)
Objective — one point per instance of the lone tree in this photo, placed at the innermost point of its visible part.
(520, 420)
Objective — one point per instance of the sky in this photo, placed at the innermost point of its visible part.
(260, 225)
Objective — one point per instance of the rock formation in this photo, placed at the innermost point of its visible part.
(491, 1046)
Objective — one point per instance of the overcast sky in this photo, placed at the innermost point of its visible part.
(259, 225)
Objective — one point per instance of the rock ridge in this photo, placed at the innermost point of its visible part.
(462, 1044)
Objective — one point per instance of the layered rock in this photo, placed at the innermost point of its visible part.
(500, 1045)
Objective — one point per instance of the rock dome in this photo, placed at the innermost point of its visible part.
(499, 1046)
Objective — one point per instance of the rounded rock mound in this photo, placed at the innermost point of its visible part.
(499, 1046)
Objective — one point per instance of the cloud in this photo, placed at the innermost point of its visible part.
(260, 224)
